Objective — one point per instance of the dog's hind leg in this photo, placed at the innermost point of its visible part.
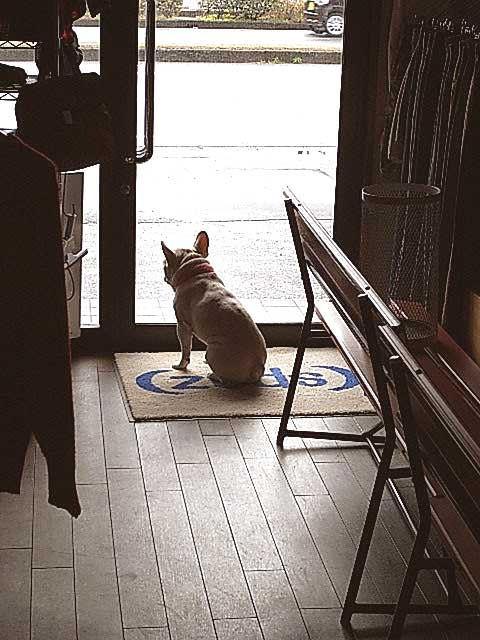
(218, 382)
(224, 369)
(211, 354)
(215, 379)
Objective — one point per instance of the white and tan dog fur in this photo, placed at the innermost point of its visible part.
(236, 350)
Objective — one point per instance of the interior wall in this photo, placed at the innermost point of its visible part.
(374, 106)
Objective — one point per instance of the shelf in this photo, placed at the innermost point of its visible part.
(16, 44)
(9, 92)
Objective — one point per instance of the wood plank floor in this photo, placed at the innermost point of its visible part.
(199, 530)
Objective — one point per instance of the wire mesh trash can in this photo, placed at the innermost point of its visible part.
(399, 252)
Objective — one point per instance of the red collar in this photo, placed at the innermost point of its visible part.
(190, 269)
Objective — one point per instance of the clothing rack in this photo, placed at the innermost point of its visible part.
(449, 9)
(430, 135)
(453, 25)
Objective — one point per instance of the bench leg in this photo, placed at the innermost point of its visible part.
(417, 557)
(292, 387)
(369, 526)
(384, 464)
(408, 586)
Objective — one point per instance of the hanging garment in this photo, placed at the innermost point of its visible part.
(418, 146)
(35, 380)
(462, 189)
(416, 53)
(432, 136)
(402, 12)
(397, 118)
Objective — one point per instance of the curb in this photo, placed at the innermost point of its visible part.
(284, 56)
(264, 55)
(187, 22)
(209, 54)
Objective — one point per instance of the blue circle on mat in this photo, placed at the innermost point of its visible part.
(145, 381)
(351, 379)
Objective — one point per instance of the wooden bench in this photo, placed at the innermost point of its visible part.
(429, 405)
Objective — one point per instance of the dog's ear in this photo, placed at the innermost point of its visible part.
(201, 244)
(168, 253)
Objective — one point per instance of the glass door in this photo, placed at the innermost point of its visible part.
(229, 137)
(153, 190)
(228, 140)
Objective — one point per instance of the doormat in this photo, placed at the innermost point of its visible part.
(154, 391)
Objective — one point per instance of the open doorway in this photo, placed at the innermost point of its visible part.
(229, 136)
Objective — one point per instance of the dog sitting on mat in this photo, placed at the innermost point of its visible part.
(203, 307)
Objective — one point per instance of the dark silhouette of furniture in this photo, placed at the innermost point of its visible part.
(411, 395)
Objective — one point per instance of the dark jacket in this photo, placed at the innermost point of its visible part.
(35, 380)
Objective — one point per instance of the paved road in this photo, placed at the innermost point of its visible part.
(237, 38)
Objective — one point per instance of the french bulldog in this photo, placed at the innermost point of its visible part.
(236, 351)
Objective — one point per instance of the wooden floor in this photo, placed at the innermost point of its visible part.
(199, 530)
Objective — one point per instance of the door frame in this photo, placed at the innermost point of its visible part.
(364, 22)
(117, 220)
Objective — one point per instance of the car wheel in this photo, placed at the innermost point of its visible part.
(334, 24)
